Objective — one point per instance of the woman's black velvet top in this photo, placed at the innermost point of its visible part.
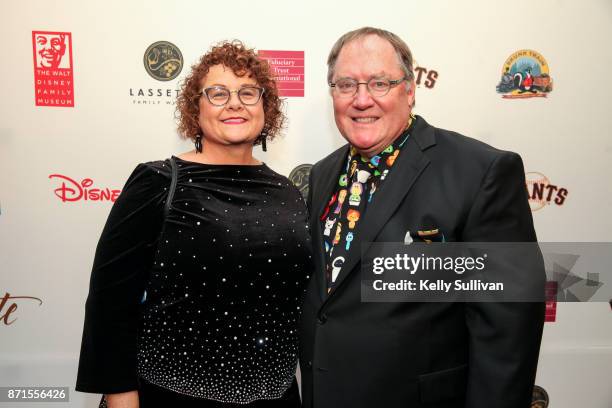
(205, 302)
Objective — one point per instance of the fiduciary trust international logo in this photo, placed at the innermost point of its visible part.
(163, 60)
(525, 74)
(287, 68)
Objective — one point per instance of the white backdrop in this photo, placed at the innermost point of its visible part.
(47, 245)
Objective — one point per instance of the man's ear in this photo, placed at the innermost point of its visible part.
(411, 92)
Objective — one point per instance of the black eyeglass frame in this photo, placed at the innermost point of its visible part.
(392, 83)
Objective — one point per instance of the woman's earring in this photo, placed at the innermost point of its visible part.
(198, 143)
(264, 135)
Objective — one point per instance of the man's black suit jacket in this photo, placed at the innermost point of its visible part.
(394, 355)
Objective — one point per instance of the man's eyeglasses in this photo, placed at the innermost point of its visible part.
(220, 95)
(347, 87)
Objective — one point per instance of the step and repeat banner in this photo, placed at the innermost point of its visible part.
(89, 91)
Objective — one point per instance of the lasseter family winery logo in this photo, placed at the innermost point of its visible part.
(70, 190)
(53, 75)
(287, 69)
(525, 74)
(163, 61)
(542, 192)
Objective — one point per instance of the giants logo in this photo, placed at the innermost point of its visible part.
(53, 77)
(542, 192)
(71, 190)
(427, 77)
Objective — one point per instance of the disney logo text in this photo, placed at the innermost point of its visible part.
(71, 190)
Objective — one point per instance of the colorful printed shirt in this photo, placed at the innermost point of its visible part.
(347, 206)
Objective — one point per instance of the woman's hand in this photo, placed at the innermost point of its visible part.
(122, 400)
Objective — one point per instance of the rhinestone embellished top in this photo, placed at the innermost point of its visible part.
(222, 286)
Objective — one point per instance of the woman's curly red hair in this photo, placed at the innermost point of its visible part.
(242, 61)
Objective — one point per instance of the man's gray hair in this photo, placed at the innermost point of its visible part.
(403, 52)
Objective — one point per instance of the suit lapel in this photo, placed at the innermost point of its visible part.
(407, 169)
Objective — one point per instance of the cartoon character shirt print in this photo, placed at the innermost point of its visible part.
(356, 187)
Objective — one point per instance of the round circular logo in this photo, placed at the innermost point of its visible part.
(300, 177)
(536, 182)
(525, 74)
(539, 398)
(163, 60)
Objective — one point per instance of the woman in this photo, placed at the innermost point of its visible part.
(197, 306)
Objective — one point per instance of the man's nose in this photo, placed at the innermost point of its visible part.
(362, 98)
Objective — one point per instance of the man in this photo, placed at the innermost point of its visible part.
(50, 49)
(400, 179)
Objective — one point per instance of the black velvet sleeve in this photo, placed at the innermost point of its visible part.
(124, 256)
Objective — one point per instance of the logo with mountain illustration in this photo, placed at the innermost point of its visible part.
(525, 74)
